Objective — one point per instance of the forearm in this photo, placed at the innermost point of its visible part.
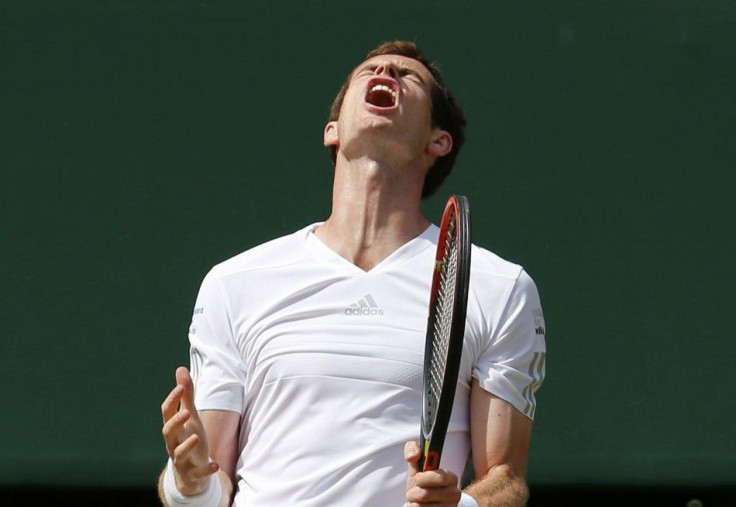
(500, 488)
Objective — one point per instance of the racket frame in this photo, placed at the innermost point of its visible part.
(432, 434)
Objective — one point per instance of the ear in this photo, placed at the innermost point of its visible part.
(440, 143)
(330, 136)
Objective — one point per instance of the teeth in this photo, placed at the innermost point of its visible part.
(383, 88)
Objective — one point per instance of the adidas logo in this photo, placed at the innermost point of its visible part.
(364, 306)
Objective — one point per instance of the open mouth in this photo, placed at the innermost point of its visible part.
(382, 93)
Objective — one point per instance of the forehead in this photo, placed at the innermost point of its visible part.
(401, 62)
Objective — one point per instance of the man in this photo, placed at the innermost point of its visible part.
(306, 351)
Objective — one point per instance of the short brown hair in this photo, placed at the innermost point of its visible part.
(446, 111)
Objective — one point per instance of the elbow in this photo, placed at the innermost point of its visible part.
(506, 479)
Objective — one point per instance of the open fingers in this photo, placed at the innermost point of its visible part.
(183, 451)
(172, 430)
(184, 379)
(171, 403)
(184, 457)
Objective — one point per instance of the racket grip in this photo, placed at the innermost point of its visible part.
(429, 459)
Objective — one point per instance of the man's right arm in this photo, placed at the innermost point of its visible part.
(198, 443)
(222, 429)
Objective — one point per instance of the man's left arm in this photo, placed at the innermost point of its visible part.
(500, 437)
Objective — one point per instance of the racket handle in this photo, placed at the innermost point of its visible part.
(422, 445)
(429, 459)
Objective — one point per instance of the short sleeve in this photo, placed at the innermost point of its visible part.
(511, 365)
(216, 363)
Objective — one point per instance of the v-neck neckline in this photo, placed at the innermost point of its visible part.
(411, 248)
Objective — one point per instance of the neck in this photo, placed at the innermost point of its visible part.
(375, 210)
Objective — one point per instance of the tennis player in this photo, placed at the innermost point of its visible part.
(307, 351)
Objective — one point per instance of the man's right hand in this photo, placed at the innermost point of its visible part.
(185, 437)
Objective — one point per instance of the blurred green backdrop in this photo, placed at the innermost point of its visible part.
(144, 141)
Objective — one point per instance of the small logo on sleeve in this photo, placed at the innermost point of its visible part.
(539, 323)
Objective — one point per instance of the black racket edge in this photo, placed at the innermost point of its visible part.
(431, 429)
(431, 445)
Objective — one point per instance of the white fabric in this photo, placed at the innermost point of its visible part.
(208, 498)
(467, 501)
(324, 363)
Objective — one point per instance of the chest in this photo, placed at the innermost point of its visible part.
(333, 325)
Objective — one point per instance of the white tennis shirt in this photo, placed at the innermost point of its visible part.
(324, 363)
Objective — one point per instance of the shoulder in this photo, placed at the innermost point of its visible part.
(276, 253)
(499, 279)
(487, 263)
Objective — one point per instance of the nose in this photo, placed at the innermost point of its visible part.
(387, 68)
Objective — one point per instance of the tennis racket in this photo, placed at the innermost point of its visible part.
(445, 328)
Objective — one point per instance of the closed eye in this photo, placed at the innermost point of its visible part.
(409, 73)
(401, 71)
(368, 69)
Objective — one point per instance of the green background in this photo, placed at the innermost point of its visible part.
(143, 142)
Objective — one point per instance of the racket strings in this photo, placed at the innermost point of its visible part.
(443, 318)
